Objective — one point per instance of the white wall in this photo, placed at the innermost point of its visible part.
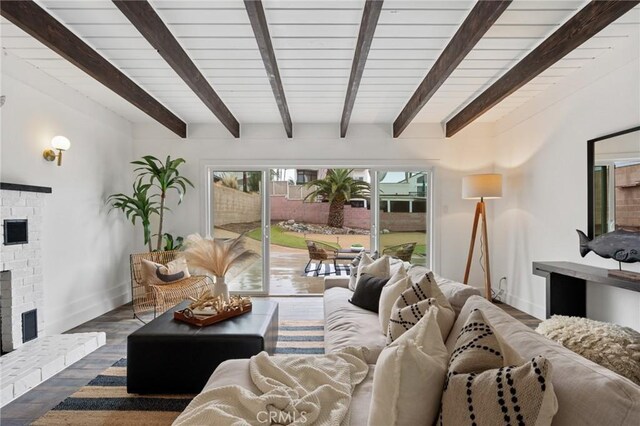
(85, 249)
(542, 150)
(320, 145)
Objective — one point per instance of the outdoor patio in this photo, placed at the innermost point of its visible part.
(287, 264)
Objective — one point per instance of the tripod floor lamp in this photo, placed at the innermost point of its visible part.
(481, 187)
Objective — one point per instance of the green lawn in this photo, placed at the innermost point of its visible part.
(280, 238)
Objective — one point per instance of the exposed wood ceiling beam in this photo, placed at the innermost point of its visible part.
(589, 21)
(148, 23)
(35, 21)
(255, 10)
(370, 16)
(483, 15)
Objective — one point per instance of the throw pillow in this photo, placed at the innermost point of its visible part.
(367, 294)
(398, 283)
(361, 259)
(158, 274)
(508, 395)
(610, 345)
(409, 376)
(427, 288)
(403, 319)
(482, 378)
(377, 268)
(478, 348)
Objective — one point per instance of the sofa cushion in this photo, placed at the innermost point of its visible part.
(367, 294)
(409, 375)
(347, 325)
(588, 394)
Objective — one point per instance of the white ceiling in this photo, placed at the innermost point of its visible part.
(314, 44)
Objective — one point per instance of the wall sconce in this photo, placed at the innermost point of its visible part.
(61, 144)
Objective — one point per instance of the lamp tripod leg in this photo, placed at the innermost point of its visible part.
(474, 231)
(485, 248)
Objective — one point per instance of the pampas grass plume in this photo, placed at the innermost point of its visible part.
(216, 256)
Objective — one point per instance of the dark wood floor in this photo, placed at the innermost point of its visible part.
(118, 324)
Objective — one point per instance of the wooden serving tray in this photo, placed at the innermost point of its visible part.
(204, 320)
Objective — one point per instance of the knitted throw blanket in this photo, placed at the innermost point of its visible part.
(296, 390)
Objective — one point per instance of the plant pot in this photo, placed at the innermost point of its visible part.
(220, 287)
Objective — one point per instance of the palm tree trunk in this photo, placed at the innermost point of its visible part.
(336, 213)
(162, 197)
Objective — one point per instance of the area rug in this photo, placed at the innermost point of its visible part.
(327, 269)
(105, 401)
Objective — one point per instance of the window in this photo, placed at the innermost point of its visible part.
(305, 176)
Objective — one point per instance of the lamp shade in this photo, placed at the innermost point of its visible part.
(482, 186)
(61, 143)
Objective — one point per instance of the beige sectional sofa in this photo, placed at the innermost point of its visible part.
(587, 393)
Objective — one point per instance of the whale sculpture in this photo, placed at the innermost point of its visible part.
(620, 245)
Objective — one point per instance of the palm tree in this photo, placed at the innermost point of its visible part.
(338, 187)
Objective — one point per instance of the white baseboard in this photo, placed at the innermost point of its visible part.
(87, 308)
(537, 311)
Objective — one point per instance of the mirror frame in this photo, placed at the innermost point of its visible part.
(591, 144)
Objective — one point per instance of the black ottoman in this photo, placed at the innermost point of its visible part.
(167, 356)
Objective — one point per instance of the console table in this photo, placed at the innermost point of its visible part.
(567, 285)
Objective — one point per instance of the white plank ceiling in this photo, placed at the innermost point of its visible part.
(314, 43)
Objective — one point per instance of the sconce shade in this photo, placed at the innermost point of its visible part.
(61, 143)
(482, 186)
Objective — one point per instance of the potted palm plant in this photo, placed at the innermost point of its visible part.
(139, 206)
(154, 181)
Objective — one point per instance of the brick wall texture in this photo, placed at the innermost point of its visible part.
(628, 197)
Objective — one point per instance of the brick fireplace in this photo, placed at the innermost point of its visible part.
(21, 279)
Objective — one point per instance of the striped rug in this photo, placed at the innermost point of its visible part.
(105, 401)
(327, 269)
(300, 337)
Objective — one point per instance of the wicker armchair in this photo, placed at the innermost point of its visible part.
(321, 252)
(159, 298)
(401, 251)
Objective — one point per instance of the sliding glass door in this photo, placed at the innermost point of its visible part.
(237, 206)
(272, 208)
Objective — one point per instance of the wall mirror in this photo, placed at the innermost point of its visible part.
(613, 164)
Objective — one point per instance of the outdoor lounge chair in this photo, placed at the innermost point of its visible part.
(320, 252)
(401, 251)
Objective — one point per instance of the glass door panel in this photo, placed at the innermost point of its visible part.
(237, 207)
(404, 216)
(310, 238)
